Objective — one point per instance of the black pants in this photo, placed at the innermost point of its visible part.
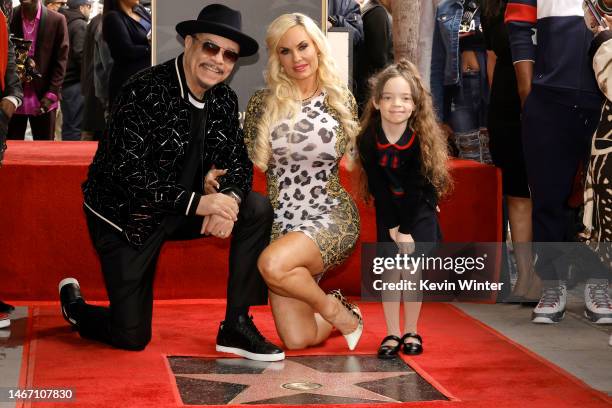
(556, 138)
(129, 273)
(43, 126)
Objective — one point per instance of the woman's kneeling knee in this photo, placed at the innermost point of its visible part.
(296, 343)
(268, 266)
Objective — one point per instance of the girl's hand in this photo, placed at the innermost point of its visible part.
(405, 242)
(393, 233)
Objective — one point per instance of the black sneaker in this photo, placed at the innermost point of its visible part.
(5, 307)
(70, 293)
(243, 338)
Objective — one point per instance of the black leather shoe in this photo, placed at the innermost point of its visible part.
(70, 294)
(242, 338)
(5, 307)
(387, 352)
(410, 347)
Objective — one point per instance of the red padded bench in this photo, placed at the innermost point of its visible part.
(43, 236)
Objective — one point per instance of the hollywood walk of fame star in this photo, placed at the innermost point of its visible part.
(269, 384)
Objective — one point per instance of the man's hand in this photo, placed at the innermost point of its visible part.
(45, 104)
(211, 185)
(217, 225)
(524, 76)
(219, 204)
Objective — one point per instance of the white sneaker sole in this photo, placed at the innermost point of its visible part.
(249, 355)
(67, 281)
(5, 323)
(598, 320)
(547, 319)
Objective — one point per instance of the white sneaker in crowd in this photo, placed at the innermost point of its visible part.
(551, 307)
(597, 302)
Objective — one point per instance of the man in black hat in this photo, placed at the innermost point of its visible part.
(170, 125)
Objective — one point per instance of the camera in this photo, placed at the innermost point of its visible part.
(26, 68)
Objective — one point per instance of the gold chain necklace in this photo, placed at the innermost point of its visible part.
(313, 94)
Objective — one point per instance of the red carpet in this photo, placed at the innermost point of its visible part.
(470, 363)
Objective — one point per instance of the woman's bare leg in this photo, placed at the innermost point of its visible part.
(297, 324)
(288, 266)
(519, 215)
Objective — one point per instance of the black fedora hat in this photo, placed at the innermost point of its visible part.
(223, 21)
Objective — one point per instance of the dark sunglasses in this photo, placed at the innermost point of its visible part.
(211, 49)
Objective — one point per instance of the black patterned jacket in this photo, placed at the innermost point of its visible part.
(133, 180)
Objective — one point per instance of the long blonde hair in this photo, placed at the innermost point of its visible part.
(283, 99)
(434, 150)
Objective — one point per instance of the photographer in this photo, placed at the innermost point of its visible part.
(49, 50)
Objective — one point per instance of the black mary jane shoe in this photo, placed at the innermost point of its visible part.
(387, 352)
(412, 348)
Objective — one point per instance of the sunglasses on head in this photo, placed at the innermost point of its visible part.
(211, 49)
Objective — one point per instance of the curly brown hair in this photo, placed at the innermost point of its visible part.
(434, 153)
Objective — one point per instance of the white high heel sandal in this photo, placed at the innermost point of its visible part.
(351, 338)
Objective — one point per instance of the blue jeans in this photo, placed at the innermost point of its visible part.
(467, 118)
(72, 111)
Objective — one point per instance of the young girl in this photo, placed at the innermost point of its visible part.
(403, 155)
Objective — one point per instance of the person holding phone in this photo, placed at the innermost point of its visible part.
(49, 51)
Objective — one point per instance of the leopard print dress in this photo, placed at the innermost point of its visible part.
(302, 177)
(598, 187)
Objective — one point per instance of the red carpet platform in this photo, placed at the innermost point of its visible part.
(43, 236)
(467, 362)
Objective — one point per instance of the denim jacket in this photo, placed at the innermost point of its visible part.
(445, 59)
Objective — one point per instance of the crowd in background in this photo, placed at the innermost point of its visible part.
(74, 55)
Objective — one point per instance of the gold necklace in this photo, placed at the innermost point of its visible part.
(313, 94)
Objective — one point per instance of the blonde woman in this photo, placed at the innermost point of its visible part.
(297, 130)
